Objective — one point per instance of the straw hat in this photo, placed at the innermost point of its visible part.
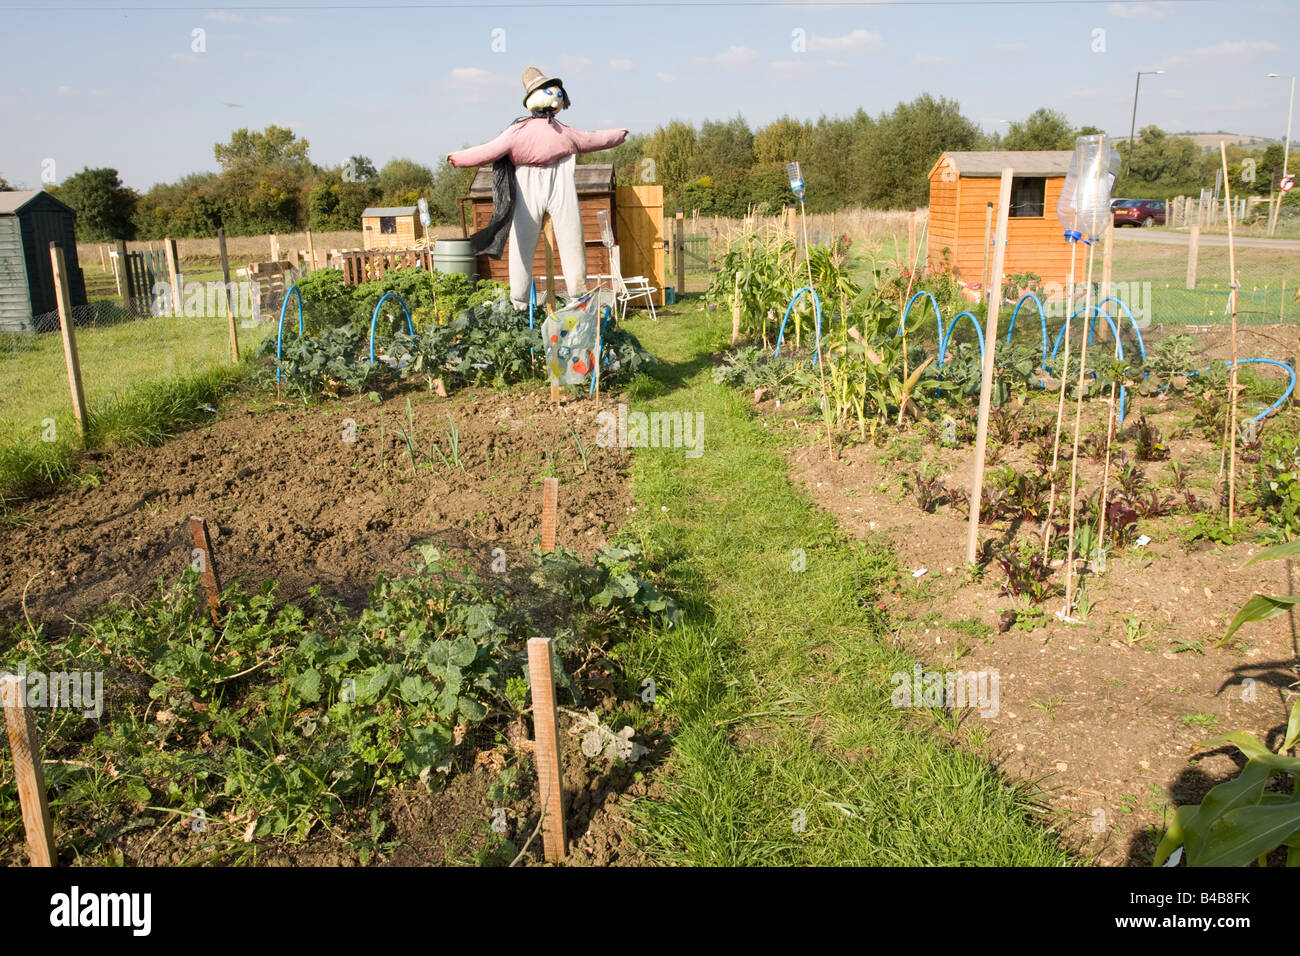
(535, 79)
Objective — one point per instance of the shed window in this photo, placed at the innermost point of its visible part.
(1028, 194)
(388, 224)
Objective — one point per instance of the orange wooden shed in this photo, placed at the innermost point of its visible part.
(964, 184)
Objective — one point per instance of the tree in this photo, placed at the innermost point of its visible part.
(1161, 160)
(105, 208)
(725, 146)
(4, 185)
(1043, 129)
(449, 184)
(273, 146)
(672, 148)
(900, 149)
(403, 181)
(359, 169)
(782, 141)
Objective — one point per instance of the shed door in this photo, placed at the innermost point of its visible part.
(15, 306)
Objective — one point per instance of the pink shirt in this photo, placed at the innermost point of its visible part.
(538, 142)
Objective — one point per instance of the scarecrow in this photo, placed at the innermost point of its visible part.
(533, 163)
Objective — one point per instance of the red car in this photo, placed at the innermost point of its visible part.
(1138, 212)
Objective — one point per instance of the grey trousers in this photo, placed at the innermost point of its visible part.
(543, 189)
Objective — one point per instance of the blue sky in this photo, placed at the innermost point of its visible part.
(126, 84)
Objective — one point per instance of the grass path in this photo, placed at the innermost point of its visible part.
(778, 685)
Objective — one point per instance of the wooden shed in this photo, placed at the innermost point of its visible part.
(29, 221)
(962, 187)
(635, 214)
(390, 227)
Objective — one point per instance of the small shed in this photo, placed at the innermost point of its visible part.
(390, 227)
(29, 221)
(595, 183)
(963, 184)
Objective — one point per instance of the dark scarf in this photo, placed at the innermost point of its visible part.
(491, 239)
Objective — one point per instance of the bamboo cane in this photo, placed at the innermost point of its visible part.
(1112, 415)
(1235, 281)
(1060, 402)
(1078, 411)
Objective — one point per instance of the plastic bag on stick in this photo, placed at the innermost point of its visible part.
(1084, 206)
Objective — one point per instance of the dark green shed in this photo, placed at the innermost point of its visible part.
(29, 221)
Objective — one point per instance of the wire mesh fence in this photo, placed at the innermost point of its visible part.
(122, 346)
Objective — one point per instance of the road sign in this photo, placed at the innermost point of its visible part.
(1288, 182)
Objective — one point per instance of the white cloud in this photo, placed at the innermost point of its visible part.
(789, 67)
(735, 57)
(666, 77)
(575, 64)
(1006, 48)
(931, 59)
(858, 41)
(621, 66)
(1220, 52)
(473, 78)
(1148, 10)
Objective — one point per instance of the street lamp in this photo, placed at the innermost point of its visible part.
(1286, 150)
(1132, 128)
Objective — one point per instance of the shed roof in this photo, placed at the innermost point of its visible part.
(589, 178)
(374, 211)
(1026, 162)
(13, 200)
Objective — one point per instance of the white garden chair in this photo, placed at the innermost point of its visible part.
(628, 289)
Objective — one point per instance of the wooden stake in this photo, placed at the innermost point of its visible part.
(1234, 281)
(1113, 410)
(550, 500)
(986, 380)
(679, 252)
(275, 248)
(311, 252)
(225, 284)
(1107, 249)
(1193, 247)
(201, 560)
(63, 297)
(102, 266)
(25, 744)
(546, 748)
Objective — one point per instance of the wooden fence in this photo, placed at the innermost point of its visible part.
(359, 267)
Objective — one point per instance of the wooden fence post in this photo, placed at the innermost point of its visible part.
(63, 296)
(201, 560)
(311, 252)
(986, 380)
(679, 253)
(275, 248)
(25, 744)
(173, 274)
(1193, 246)
(123, 269)
(546, 748)
(225, 285)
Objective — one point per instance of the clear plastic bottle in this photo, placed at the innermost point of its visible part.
(1084, 206)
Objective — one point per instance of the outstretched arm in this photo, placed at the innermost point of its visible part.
(593, 141)
(482, 155)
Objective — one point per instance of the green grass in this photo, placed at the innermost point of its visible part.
(777, 687)
(142, 379)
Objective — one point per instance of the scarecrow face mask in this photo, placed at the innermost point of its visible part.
(548, 99)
